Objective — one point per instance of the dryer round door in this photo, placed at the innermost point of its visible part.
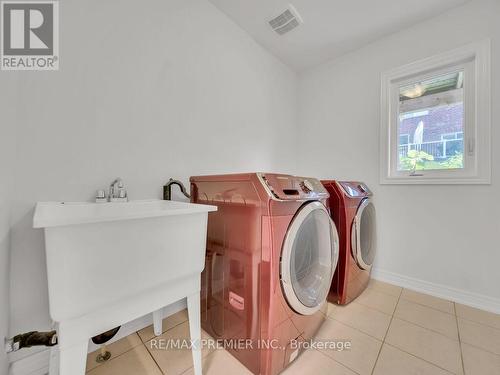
(363, 235)
(309, 258)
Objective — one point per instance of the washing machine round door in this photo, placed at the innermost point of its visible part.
(309, 258)
(363, 235)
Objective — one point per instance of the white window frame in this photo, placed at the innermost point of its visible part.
(474, 59)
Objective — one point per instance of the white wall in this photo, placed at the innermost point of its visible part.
(7, 138)
(7, 148)
(446, 235)
(4, 252)
(4, 275)
(145, 91)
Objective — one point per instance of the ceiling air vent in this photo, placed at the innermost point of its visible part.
(286, 21)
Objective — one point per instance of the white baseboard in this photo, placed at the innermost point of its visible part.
(437, 290)
(38, 363)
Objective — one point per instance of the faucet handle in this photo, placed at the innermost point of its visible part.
(122, 193)
(100, 196)
(120, 196)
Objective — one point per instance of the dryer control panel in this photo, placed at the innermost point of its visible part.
(355, 189)
(286, 187)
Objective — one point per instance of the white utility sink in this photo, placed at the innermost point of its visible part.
(110, 263)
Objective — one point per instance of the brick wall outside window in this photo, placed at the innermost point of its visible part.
(440, 120)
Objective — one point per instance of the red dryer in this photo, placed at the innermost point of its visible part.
(354, 216)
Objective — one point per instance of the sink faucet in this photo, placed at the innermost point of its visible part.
(167, 189)
(117, 195)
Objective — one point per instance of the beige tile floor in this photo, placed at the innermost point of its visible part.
(393, 331)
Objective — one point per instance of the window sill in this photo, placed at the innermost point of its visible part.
(422, 180)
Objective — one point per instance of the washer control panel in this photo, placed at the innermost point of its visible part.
(355, 188)
(306, 186)
(286, 187)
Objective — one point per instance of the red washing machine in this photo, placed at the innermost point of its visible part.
(354, 215)
(272, 250)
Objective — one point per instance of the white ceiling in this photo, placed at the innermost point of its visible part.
(331, 27)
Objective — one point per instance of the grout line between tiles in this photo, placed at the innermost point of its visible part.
(366, 306)
(356, 329)
(334, 360)
(473, 345)
(459, 340)
(429, 307)
(373, 308)
(413, 355)
(480, 348)
(153, 358)
(374, 288)
(404, 351)
(427, 328)
(386, 332)
(205, 358)
(476, 322)
(331, 317)
(422, 359)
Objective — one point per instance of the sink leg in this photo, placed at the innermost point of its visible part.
(73, 359)
(193, 302)
(158, 322)
(54, 361)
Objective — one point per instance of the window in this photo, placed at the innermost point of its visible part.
(404, 139)
(429, 109)
(435, 119)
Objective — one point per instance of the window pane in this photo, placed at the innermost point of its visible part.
(431, 116)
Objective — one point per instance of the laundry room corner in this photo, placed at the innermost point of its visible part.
(433, 238)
